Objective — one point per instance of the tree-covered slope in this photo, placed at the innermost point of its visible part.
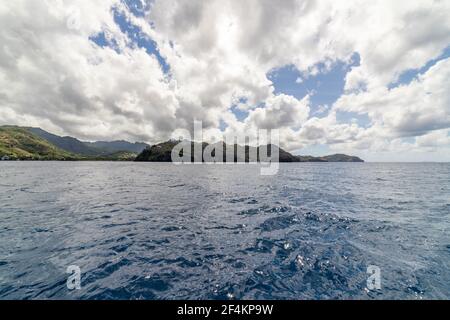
(118, 146)
(68, 144)
(20, 144)
(235, 153)
(90, 149)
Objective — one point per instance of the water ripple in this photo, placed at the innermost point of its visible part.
(157, 231)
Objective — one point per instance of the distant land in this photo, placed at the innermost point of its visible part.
(27, 143)
(163, 153)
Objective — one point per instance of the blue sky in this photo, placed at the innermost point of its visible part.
(325, 87)
(133, 32)
(407, 76)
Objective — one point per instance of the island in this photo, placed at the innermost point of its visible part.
(26, 143)
(163, 153)
(35, 144)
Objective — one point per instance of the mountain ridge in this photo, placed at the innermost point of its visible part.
(97, 148)
(28, 143)
(162, 152)
(20, 144)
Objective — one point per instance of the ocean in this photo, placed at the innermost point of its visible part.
(160, 231)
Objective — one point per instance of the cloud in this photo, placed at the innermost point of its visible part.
(434, 140)
(52, 72)
(280, 111)
(408, 110)
(220, 54)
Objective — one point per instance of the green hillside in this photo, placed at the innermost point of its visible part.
(20, 144)
(163, 153)
(98, 149)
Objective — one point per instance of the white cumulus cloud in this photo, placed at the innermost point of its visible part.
(219, 55)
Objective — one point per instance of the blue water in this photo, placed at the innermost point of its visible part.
(159, 231)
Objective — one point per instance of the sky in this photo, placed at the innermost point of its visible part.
(366, 78)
